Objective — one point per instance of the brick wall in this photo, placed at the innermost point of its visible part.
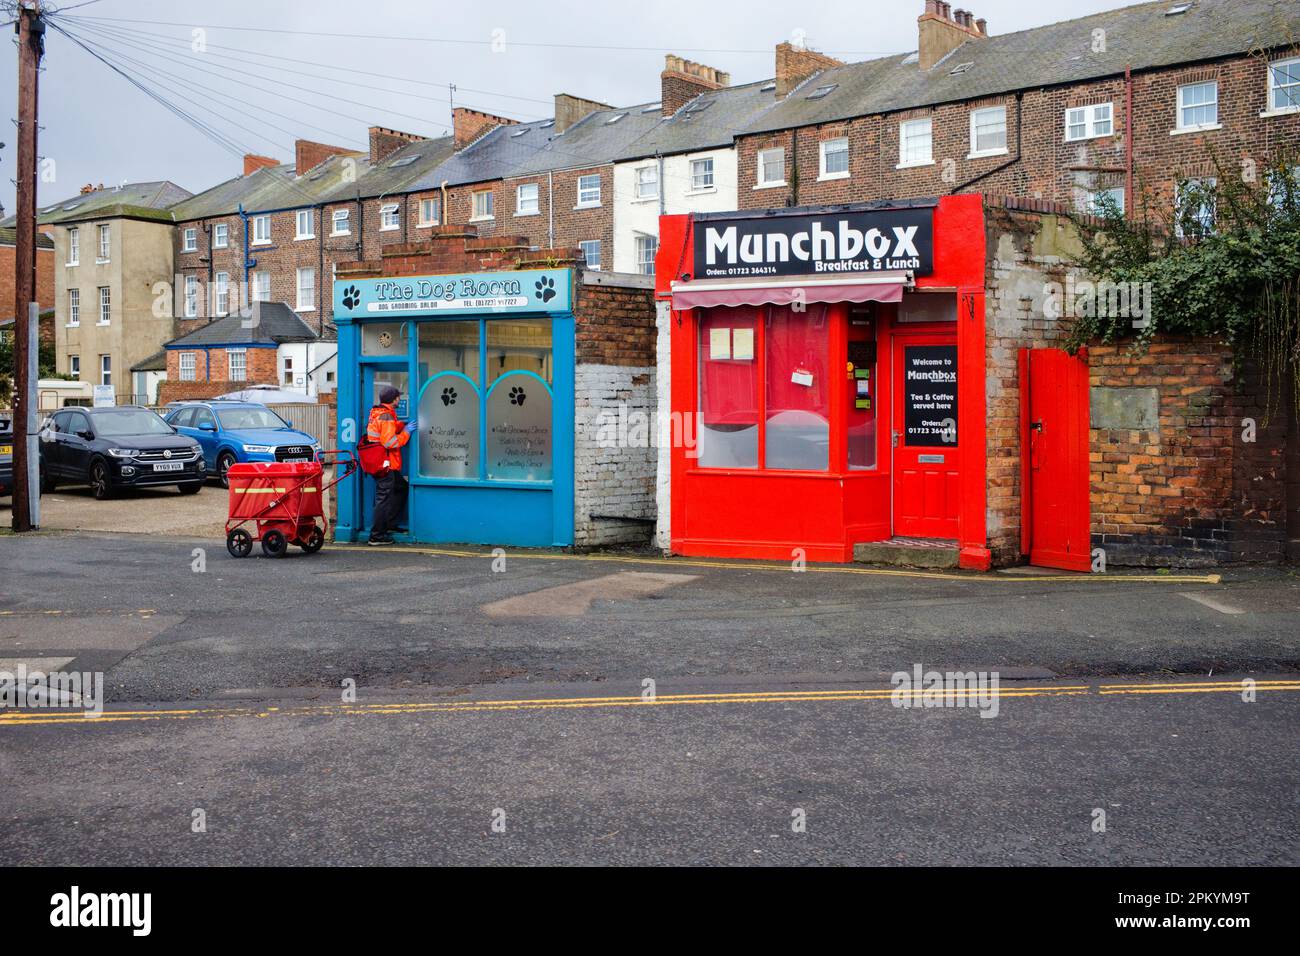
(1188, 491)
(214, 379)
(44, 280)
(1049, 167)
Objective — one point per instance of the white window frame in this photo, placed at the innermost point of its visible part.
(343, 216)
(1180, 128)
(1090, 202)
(286, 371)
(907, 130)
(220, 235)
(646, 183)
(261, 236)
(583, 246)
(1272, 109)
(644, 241)
(823, 149)
(533, 209)
(105, 369)
(261, 286)
(298, 231)
(221, 293)
(1091, 119)
(390, 217)
(305, 303)
(430, 212)
(104, 249)
(105, 306)
(976, 153)
(239, 374)
(74, 366)
(74, 308)
(191, 304)
(482, 199)
(187, 368)
(74, 246)
(760, 181)
(584, 187)
(702, 175)
(190, 239)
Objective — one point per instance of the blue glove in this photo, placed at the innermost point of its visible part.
(411, 426)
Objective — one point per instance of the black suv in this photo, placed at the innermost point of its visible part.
(122, 446)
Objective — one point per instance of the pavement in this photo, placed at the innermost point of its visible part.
(540, 707)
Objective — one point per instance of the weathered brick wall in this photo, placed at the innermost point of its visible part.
(1049, 167)
(44, 280)
(210, 381)
(1189, 491)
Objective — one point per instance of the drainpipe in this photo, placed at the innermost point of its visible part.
(1001, 166)
(550, 211)
(249, 262)
(361, 229)
(794, 167)
(659, 161)
(320, 271)
(1128, 141)
(444, 213)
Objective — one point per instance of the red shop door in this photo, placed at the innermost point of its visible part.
(925, 438)
(1054, 426)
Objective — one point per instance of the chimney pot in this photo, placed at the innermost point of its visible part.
(932, 7)
(982, 26)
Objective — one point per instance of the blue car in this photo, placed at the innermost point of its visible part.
(231, 432)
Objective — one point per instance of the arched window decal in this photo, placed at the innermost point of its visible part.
(519, 428)
(449, 427)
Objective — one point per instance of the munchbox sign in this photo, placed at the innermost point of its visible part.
(887, 240)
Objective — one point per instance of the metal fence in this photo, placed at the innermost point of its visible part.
(307, 417)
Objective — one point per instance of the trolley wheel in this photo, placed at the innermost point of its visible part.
(314, 541)
(239, 543)
(274, 543)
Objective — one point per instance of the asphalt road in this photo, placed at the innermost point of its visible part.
(139, 608)
(1183, 778)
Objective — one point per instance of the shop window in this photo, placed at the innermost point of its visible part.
(729, 379)
(860, 425)
(927, 307)
(506, 401)
(449, 399)
(798, 390)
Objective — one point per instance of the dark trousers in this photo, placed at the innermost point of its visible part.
(390, 503)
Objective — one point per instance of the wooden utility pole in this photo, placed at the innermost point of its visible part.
(31, 47)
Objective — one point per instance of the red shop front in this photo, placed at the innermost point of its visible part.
(827, 379)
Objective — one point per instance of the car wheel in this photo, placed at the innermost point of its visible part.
(239, 543)
(191, 488)
(274, 544)
(101, 485)
(224, 461)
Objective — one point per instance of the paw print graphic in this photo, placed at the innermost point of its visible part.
(449, 396)
(517, 396)
(546, 288)
(351, 297)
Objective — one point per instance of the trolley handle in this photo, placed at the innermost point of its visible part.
(338, 456)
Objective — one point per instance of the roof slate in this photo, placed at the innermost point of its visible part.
(272, 323)
(1143, 37)
(136, 200)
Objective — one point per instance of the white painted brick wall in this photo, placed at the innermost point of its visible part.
(618, 481)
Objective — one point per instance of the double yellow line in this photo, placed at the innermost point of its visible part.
(968, 698)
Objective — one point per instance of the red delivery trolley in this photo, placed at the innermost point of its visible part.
(284, 502)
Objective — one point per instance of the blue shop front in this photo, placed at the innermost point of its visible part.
(485, 362)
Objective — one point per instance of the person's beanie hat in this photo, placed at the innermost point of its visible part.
(388, 395)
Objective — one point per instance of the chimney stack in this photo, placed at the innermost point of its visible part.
(253, 162)
(682, 80)
(570, 109)
(384, 142)
(308, 155)
(943, 29)
(88, 188)
(794, 64)
(470, 124)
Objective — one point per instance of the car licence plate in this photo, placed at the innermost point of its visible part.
(6, 449)
(169, 466)
(296, 460)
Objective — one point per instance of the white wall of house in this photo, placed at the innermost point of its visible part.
(294, 360)
(635, 216)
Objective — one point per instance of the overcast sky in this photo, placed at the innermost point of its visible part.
(504, 57)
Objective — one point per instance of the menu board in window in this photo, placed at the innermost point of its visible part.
(930, 395)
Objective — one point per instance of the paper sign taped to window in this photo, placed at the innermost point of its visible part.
(719, 344)
(802, 377)
(742, 344)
